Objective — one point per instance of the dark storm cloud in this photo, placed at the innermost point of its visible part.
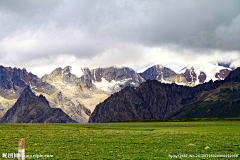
(187, 23)
(48, 29)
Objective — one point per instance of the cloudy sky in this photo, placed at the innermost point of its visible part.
(45, 34)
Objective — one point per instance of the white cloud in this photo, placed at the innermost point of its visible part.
(235, 63)
(44, 35)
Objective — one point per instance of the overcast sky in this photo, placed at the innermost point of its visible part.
(45, 34)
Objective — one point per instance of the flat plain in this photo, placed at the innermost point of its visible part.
(126, 140)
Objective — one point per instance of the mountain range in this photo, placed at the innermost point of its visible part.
(77, 91)
(156, 100)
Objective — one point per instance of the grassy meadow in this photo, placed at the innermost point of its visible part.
(128, 140)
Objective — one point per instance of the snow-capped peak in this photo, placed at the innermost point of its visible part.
(146, 68)
(158, 66)
(204, 66)
(209, 69)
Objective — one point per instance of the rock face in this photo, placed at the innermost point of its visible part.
(163, 74)
(75, 89)
(80, 90)
(233, 76)
(5, 104)
(30, 108)
(151, 100)
(60, 77)
(204, 72)
(13, 81)
(114, 79)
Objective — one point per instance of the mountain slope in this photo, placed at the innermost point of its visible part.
(233, 76)
(151, 100)
(221, 102)
(30, 108)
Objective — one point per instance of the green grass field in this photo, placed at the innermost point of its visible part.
(129, 140)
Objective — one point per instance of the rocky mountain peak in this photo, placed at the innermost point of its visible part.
(163, 74)
(68, 75)
(43, 99)
(30, 108)
(27, 93)
(28, 96)
(57, 72)
(233, 76)
(67, 69)
(113, 79)
(14, 80)
(112, 73)
(158, 66)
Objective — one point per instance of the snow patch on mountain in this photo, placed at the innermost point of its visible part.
(170, 82)
(76, 70)
(112, 86)
(209, 69)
